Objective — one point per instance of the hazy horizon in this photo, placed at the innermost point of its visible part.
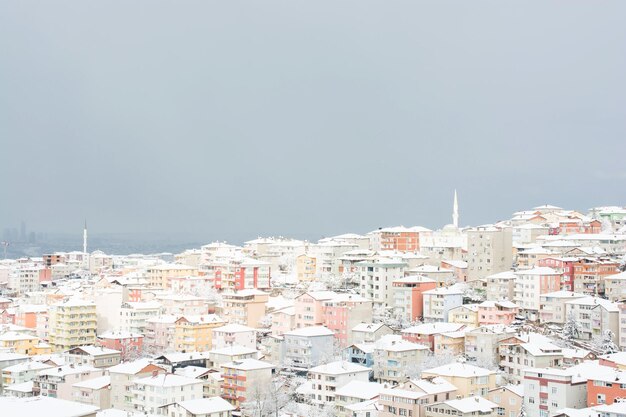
(242, 119)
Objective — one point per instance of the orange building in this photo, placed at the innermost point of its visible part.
(606, 389)
(589, 275)
(400, 238)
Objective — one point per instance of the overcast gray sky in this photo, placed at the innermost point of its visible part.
(244, 118)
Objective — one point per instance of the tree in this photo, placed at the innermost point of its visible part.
(269, 400)
(607, 227)
(571, 328)
(605, 344)
(414, 370)
(265, 322)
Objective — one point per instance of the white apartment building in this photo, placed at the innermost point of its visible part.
(152, 393)
(394, 356)
(531, 283)
(547, 390)
(234, 334)
(376, 278)
(594, 315)
(501, 286)
(122, 380)
(552, 306)
(517, 355)
(489, 251)
(328, 378)
(439, 301)
(134, 315)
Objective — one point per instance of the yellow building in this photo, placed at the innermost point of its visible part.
(305, 268)
(159, 276)
(72, 323)
(194, 333)
(19, 342)
(245, 307)
(469, 380)
(466, 314)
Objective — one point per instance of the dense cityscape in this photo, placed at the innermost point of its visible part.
(525, 317)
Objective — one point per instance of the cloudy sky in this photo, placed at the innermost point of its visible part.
(235, 118)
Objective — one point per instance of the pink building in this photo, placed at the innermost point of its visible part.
(345, 311)
(564, 265)
(425, 333)
(310, 308)
(241, 274)
(283, 320)
(497, 312)
(129, 344)
(408, 298)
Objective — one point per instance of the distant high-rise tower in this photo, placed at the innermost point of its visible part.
(85, 238)
(455, 212)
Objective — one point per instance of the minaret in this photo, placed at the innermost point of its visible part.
(455, 212)
(85, 237)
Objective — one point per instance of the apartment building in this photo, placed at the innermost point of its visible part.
(468, 379)
(552, 306)
(307, 347)
(245, 307)
(408, 298)
(245, 379)
(19, 342)
(376, 279)
(232, 335)
(497, 312)
(489, 251)
(22, 372)
(501, 286)
(72, 323)
(590, 275)
(509, 398)
(564, 266)
(531, 284)
(204, 407)
(464, 407)
(130, 345)
(594, 315)
(615, 286)
(482, 344)
(343, 312)
(135, 314)
(425, 333)
(399, 238)
(122, 379)
(517, 355)
(195, 333)
(151, 394)
(326, 379)
(439, 301)
(548, 390)
(96, 356)
(355, 392)
(466, 314)
(96, 392)
(411, 397)
(369, 332)
(394, 357)
(159, 276)
(57, 382)
(309, 307)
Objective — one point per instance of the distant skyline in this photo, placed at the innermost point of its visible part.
(240, 119)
